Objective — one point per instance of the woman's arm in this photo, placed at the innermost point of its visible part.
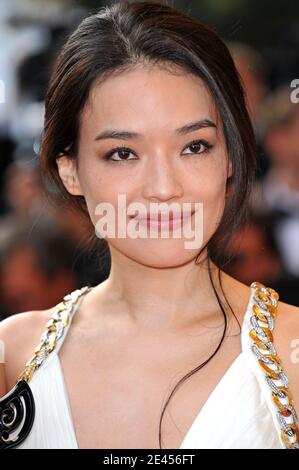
(19, 336)
(2, 380)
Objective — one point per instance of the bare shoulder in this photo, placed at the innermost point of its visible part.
(287, 324)
(19, 336)
(286, 341)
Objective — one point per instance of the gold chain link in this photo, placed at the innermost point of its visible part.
(54, 331)
(262, 321)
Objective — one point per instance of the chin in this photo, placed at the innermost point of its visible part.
(160, 253)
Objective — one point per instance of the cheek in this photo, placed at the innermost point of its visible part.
(211, 193)
(96, 190)
(207, 186)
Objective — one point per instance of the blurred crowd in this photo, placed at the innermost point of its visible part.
(45, 252)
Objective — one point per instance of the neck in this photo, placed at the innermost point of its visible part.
(161, 297)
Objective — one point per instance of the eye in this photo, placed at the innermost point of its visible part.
(196, 144)
(122, 152)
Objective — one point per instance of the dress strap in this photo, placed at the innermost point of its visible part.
(257, 342)
(56, 329)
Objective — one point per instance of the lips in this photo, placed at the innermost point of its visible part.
(164, 221)
(163, 217)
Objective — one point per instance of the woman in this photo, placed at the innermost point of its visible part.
(145, 102)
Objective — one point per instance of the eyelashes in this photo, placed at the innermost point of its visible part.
(108, 155)
(207, 146)
(126, 150)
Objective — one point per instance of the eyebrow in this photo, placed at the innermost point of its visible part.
(126, 135)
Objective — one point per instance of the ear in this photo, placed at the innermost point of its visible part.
(67, 169)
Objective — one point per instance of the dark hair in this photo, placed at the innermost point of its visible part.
(116, 39)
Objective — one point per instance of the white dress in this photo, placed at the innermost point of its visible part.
(239, 413)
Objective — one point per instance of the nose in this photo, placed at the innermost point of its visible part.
(161, 180)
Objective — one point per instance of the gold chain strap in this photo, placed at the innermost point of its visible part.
(262, 322)
(55, 329)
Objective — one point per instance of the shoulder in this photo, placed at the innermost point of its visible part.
(286, 330)
(19, 336)
(286, 341)
(288, 316)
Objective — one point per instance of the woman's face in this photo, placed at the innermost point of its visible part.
(157, 164)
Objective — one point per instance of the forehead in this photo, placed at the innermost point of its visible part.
(147, 98)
